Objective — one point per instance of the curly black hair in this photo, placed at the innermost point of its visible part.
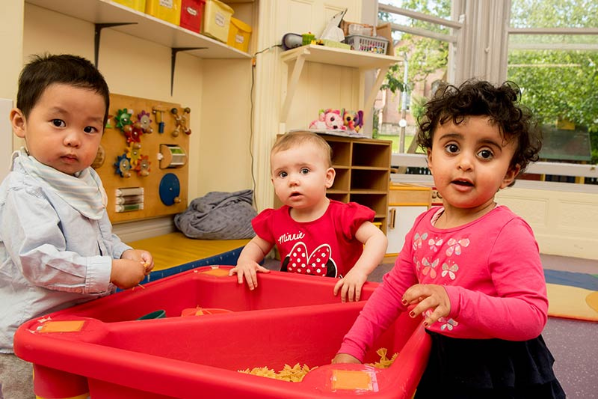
(481, 98)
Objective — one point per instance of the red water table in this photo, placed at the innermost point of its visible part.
(205, 328)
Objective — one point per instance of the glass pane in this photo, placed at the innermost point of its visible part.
(412, 81)
(561, 88)
(540, 42)
(558, 75)
(554, 14)
(408, 86)
(440, 8)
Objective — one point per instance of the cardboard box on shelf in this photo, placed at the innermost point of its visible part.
(385, 31)
(345, 26)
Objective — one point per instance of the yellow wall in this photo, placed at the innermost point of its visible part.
(219, 156)
(217, 91)
(11, 43)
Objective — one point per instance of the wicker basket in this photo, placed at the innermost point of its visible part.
(367, 43)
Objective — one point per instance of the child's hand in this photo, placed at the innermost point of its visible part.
(127, 273)
(248, 269)
(350, 285)
(345, 358)
(428, 296)
(141, 256)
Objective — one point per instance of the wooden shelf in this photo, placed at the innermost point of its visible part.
(362, 173)
(361, 60)
(368, 184)
(341, 57)
(143, 26)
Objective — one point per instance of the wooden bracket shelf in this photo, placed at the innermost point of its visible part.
(362, 173)
(361, 60)
(141, 25)
(109, 14)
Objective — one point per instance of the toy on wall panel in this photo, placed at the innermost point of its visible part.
(100, 158)
(159, 110)
(144, 121)
(122, 165)
(108, 124)
(133, 134)
(129, 199)
(181, 121)
(143, 166)
(328, 119)
(125, 124)
(133, 153)
(123, 118)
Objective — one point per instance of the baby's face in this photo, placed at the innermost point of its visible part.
(65, 128)
(301, 176)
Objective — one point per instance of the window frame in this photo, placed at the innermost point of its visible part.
(478, 47)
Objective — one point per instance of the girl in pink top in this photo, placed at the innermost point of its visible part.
(470, 269)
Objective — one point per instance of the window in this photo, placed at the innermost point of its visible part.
(423, 36)
(549, 48)
(553, 57)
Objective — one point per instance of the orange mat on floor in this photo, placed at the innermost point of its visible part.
(572, 302)
(572, 295)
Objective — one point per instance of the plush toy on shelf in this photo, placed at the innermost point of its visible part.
(338, 120)
(328, 119)
(353, 120)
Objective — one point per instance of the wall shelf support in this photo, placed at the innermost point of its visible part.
(173, 54)
(98, 34)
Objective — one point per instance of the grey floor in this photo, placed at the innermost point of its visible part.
(573, 343)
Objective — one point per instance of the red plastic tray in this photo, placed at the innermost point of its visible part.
(102, 349)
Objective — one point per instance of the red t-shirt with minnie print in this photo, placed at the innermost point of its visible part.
(324, 247)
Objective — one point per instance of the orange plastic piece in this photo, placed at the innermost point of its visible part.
(351, 380)
(61, 326)
(202, 311)
(218, 272)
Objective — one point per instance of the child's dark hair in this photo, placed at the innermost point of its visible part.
(45, 70)
(481, 98)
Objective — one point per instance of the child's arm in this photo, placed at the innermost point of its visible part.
(515, 311)
(247, 265)
(379, 312)
(381, 309)
(375, 244)
(345, 358)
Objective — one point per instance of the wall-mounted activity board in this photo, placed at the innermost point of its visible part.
(143, 158)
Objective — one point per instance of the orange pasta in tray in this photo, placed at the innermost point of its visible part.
(297, 372)
(288, 373)
(384, 361)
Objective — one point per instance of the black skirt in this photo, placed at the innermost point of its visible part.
(488, 369)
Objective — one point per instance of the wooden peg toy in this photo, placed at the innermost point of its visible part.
(181, 121)
(159, 110)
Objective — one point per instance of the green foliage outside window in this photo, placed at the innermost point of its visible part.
(557, 83)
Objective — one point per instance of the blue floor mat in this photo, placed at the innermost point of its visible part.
(580, 280)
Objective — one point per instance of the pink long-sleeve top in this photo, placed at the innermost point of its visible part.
(491, 271)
